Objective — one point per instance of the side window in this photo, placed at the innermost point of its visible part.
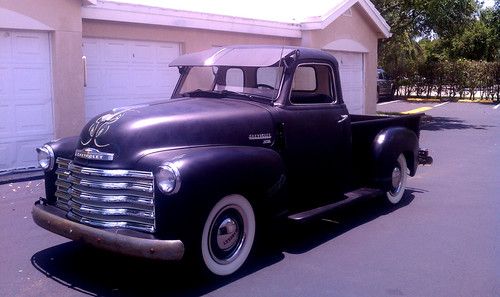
(269, 76)
(198, 78)
(233, 80)
(234, 77)
(312, 84)
(304, 79)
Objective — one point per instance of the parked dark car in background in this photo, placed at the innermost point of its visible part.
(385, 86)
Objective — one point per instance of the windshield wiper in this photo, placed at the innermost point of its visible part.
(202, 93)
(226, 93)
(244, 95)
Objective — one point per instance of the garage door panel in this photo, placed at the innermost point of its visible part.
(168, 80)
(5, 85)
(116, 82)
(349, 60)
(38, 121)
(116, 52)
(165, 53)
(20, 153)
(7, 150)
(144, 80)
(94, 82)
(95, 107)
(143, 54)
(92, 53)
(30, 47)
(31, 83)
(351, 70)
(6, 129)
(5, 46)
(26, 119)
(26, 156)
(127, 72)
(171, 75)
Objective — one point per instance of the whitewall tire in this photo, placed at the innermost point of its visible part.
(399, 178)
(228, 235)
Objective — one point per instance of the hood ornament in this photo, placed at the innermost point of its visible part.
(101, 126)
(94, 154)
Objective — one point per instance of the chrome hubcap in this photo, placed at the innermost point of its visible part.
(396, 179)
(227, 234)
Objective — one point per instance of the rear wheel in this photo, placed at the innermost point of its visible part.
(228, 235)
(399, 178)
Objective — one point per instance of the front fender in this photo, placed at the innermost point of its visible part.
(388, 145)
(209, 173)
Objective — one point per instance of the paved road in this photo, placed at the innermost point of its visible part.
(442, 241)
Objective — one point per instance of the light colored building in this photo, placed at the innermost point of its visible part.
(48, 91)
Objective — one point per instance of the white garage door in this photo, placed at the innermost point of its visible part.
(26, 119)
(127, 72)
(352, 80)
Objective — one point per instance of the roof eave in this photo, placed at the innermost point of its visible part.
(89, 2)
(320, 23)
(130, 13)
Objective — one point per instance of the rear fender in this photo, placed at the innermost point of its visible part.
(387, 146)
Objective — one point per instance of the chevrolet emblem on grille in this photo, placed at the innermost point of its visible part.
(93, 154)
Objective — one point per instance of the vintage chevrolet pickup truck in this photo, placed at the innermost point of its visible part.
(251, 134)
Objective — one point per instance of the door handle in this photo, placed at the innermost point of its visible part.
(343, 118)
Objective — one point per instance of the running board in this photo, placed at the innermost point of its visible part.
(351, 196)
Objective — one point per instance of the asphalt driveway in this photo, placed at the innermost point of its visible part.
(443, 240)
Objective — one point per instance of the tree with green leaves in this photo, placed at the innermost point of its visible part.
(431, 37)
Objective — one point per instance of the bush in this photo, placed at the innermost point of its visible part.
(450, 80)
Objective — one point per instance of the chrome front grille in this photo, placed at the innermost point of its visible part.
(106, 198)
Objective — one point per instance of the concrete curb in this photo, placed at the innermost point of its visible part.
(434, 100)
(20, 176)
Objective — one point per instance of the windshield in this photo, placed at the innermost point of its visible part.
(231, 81)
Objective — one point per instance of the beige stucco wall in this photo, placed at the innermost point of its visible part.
(62, 19)
(358, 28)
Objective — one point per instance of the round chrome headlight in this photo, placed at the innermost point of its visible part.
(168, 179)
(46, 157)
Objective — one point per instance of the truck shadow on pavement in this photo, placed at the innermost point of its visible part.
(444, 123)
(99, 273)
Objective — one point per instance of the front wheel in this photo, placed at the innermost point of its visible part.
(398, 180)
(228, 235)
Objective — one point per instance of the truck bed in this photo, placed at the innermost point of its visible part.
(364, 129)
(369, 125)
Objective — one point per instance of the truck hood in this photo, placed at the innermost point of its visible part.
(120, 137)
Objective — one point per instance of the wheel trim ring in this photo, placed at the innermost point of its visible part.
(212, 236)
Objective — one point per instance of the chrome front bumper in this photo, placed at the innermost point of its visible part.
(127, 243)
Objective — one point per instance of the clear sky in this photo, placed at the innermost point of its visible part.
(489, 3)
(273, 10)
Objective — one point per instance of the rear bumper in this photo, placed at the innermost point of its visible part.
(125, 242)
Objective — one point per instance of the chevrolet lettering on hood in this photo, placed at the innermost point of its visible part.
(93, 154)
